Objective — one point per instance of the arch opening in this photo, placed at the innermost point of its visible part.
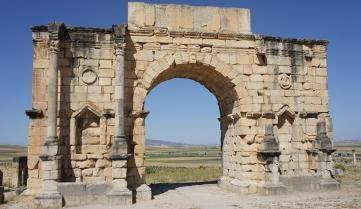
(182, 135)
(220, 86)
(209, 76)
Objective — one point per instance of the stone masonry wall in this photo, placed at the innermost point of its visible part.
(85, 82)
(6, 173)
(259, 82)
(287, 89)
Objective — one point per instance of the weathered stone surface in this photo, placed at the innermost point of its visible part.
(119, 173)
(101, 163)
(86, 164)
(189, 18)
(266, 88)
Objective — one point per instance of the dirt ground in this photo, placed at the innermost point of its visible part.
(209, 196)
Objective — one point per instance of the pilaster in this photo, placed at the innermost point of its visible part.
(119, 194)
(49, 197)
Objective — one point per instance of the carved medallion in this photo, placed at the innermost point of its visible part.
(89, 76)
(285, 81)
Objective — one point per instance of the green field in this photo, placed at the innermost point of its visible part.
(7, 152)
(181, 165)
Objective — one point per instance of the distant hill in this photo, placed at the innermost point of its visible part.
(347, 143)
(12, 146)
(8, 151)
(163, 143)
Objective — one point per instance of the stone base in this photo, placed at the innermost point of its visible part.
(301, 183)
(31, 192)
(309, 183)
(79, 193)
(329, 184)
(120, 197)
(274, 189)
(19, 190)
(234, 185)
(1, 194)
(50, 200)
(143, 193)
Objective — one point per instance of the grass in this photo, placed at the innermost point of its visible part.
(182, 165)
(167, 152)
(156, 174)
(352, 174)
(8, 152)
(189, 162)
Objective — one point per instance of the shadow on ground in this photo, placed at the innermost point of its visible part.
(161, 188)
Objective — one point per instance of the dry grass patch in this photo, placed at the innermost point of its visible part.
(157, 174)
(351, 174)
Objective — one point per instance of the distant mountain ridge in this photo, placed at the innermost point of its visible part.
(347, 143)
(12, 146)
(163, 143)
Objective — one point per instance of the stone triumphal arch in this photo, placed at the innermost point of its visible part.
(87, 134)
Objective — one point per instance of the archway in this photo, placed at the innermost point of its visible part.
(213, 76)
(182, 136)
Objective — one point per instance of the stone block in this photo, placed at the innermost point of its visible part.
(49, 200)
(105, 64)
(108, 172)
(106, 73)
(34, 183)
(119, 164)
(94, 149)
(245, 59)
(87, 172)
(101, 163)
(33, 173)
(50, 165)
(214, 42)
(74, 194)
(85, 164)
(93, 179)
(143, 39)
(143, 193)
(105, 81)
(145, 55)
(164, 39)
(50, 174)
(94, 156)
(33, 162)
(186, 18)
(119, 173)
(120, 197)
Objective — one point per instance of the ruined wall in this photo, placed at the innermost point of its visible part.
(282, 82)
(259, 82)
(85, 105)
(6, 173)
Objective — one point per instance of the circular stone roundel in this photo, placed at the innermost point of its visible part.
(285, 81)
(89, 76)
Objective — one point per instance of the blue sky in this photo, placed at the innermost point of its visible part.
(171, 118)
